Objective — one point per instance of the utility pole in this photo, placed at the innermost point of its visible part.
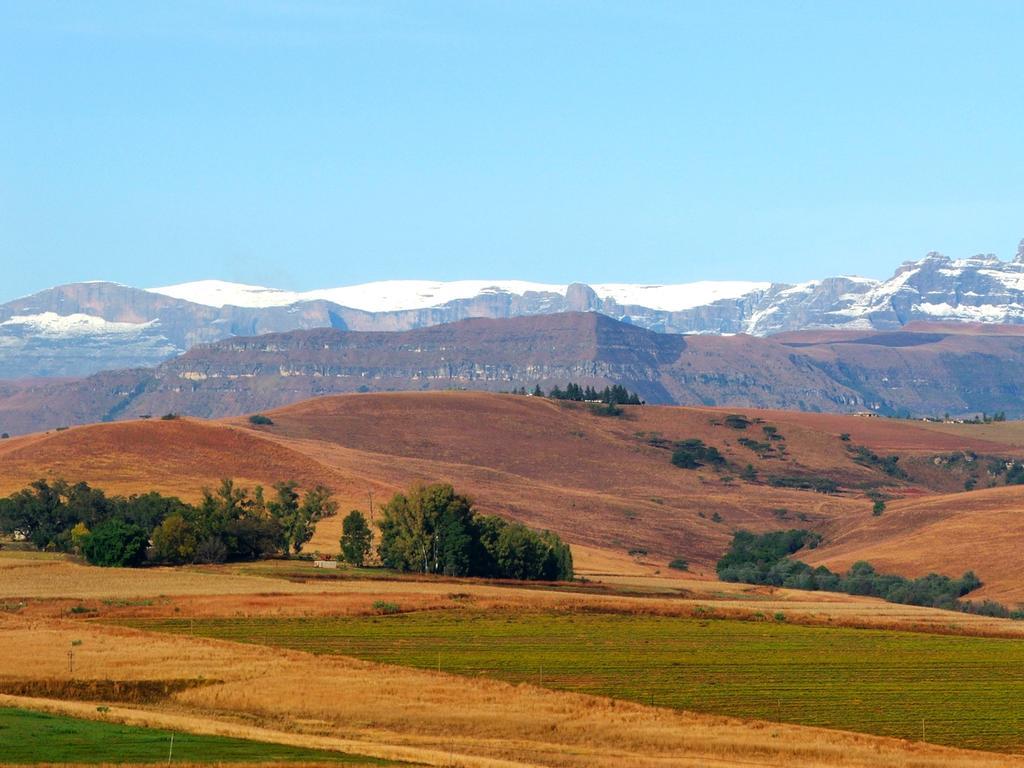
(71, 661)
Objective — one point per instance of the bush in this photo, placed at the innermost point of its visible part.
(382, 606)
(693, 454)
(817, 484)
(174, 541)
(115, 543)
(878, 507)
(679, 564)
(169, 417)
(5, 436)
(260, 420)
(765, 559)
(736, 421)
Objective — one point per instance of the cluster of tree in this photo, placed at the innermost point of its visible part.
(986, 419)
(228, 524)
(693, 454)
(766, 559)
(432, 529)
(817, 484)
(867, 458)
(614, 395)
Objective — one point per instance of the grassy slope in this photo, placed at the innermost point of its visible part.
(34, 737)
(965, 690)
(595, 480)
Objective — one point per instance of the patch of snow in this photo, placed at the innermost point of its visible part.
(1012, 280)
(986, 313)
(381, 296)
(52, 324)
(675, 298)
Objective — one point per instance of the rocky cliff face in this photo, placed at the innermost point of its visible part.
(83, 328)
(921, 370)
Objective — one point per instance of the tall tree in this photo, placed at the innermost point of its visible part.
(356, 538)
(424, 531)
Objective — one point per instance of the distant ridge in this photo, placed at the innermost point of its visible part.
(83, 328)
(936, 369)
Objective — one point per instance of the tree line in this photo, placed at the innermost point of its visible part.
(229, 523)
(765, 559)
(432, 529)
(613, 395)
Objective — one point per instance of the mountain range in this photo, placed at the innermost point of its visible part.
(922, 368)
(80, 329)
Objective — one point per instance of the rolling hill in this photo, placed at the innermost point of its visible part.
(606, 484)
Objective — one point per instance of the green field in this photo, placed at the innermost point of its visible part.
(962, 691)
(33, 737)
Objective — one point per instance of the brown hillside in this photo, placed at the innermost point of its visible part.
(601, 482)
(950, 534)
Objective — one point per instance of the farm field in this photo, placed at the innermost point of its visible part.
(456, 717)
(960, 691)
(28, 737)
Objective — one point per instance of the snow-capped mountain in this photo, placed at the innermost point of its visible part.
(82, 328)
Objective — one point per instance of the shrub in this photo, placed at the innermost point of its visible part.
(115, 543)
(878, 508)
(607, 409)
(5, 436)
(383, 606)
(693, 454)
(736, 421)
(679, 564)
(260, 420)
(765, 559)
(817, 484)
(169, 417)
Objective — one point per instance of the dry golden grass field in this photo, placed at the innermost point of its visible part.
(428, 717)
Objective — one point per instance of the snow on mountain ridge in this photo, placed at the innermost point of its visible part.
(78, 324)
(395, 295)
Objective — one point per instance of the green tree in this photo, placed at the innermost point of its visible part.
(174, 541)
(356, 538)
(425, 531)
(115, 543)
(284, 508)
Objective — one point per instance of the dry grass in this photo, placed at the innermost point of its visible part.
(402, 713)
(977, 531)
(596, 481)
(47, 588)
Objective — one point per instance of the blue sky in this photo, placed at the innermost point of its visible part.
(309, 143)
